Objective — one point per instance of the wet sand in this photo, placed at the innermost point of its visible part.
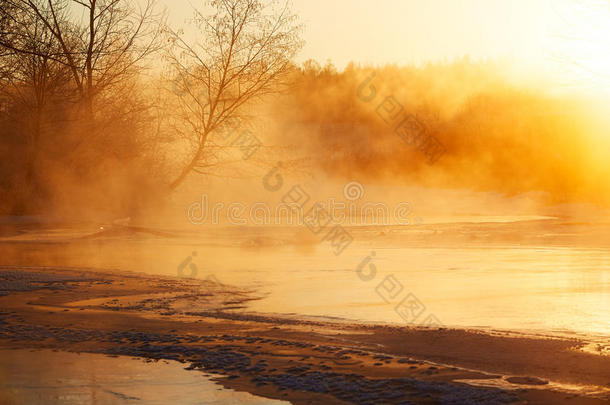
(208, 327)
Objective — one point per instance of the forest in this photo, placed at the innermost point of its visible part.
(105, 107)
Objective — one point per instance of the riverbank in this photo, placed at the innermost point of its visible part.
(207, 326)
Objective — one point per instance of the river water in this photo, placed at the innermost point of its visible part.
(459, 277)
(44, 377)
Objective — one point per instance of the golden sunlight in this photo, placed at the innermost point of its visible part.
(578, 44)
(304, 202)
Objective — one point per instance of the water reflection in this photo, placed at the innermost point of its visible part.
(496, 281)
(46, 378)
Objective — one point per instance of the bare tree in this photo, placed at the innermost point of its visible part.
(29, 80)
(101, 42)
(71, 71)
(244, 52)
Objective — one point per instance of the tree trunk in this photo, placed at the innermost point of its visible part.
(186, 170)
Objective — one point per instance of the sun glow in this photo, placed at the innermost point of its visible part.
(578, 44)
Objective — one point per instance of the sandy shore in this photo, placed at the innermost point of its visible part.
(207, 326)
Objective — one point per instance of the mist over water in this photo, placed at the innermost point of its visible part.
(470, 274)
(180, 184)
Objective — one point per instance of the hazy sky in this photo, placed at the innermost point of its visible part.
(402, 31)
(531, 33)
(405, 31)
